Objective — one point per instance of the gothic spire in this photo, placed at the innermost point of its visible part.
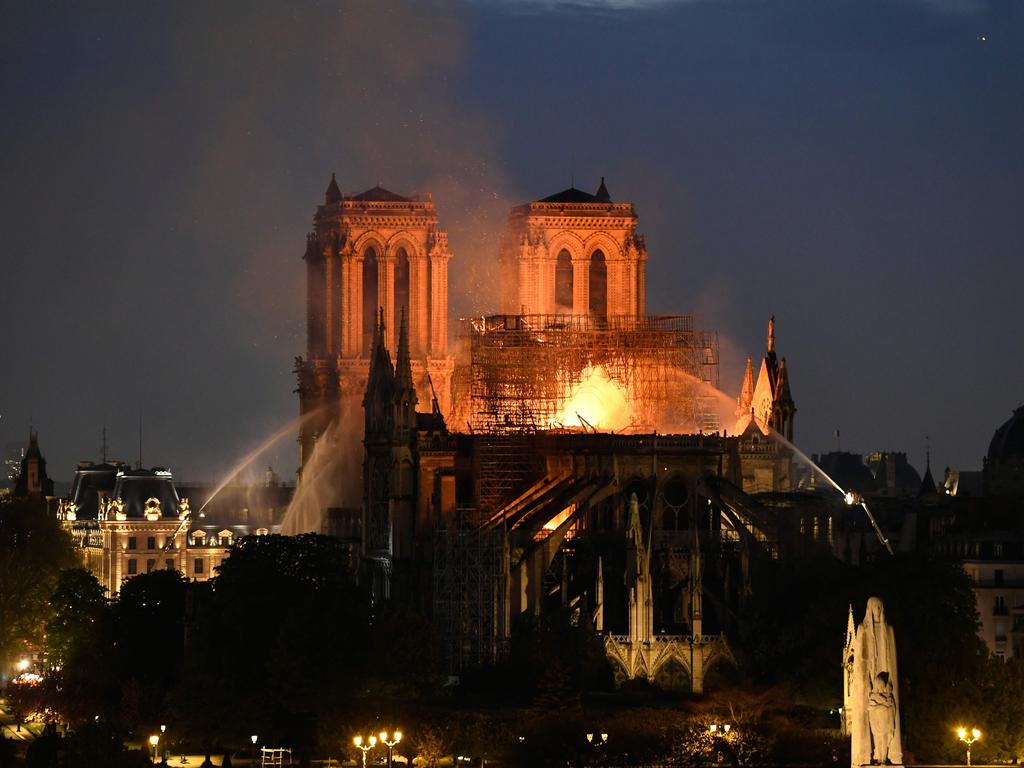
(782, 388)
(927, 482)
(771, 334)
(381, 368)
(602, 195)
(403, 365)
(746, 398)
(333, 192)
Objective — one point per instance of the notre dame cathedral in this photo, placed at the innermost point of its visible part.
(566, 429)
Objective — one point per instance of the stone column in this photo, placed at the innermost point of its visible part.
(351, 305)
(627, 288)
(386, 298)
(356, 285)
(580, 285)
(439, 304)
(546, 284)
(419, 304)
(527, 285)
(641, 285)
(332, 274)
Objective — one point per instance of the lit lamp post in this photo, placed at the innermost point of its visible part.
(720, 737)
(968, 738)
(163, 746)
(597, 740)
(364, 748)
(395, 738)
(153, 741)
(254, 738)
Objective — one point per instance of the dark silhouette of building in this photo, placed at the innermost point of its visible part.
(33, 482)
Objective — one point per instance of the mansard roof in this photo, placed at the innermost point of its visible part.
(136, 486)
(379, 195)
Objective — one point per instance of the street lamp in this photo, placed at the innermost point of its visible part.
(364, 748)
(968, 738)
(153, 741)
(23, 665)
(720, 737)
(597, 740)
(395, 738)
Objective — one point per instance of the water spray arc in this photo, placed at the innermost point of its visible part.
(246, 460)
(851, 498)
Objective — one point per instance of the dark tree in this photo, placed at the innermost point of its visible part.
(81, 682)
(798, 605)
(280, 639)
(149, 641)
(33, 551)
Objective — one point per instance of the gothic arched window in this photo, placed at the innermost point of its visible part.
(401, 290)
(598, 286)
(369, 297)
(563, 282)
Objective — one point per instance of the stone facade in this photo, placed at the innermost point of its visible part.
(370, 253)
(131, 521)
(573, 253)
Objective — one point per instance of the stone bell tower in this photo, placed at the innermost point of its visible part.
(369, 253)
(574, 253)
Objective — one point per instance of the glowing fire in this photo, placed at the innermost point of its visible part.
(596, 401)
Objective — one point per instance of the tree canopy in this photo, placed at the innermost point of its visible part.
(33, 551)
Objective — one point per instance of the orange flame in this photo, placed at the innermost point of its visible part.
(596, 401)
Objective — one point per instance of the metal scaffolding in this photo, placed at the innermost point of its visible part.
(469, 592)
(522, 367)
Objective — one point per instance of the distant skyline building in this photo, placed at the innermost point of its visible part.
(32, 481)
(130, 521)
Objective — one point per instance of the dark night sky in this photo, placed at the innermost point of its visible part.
(853, 166)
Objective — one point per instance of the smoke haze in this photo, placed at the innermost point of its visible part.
(854, 173)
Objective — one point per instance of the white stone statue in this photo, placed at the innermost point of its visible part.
(871, 695)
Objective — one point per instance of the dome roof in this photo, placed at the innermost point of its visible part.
(1007, 446)
(848, 470)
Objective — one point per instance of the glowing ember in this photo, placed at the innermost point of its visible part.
(596, 401)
